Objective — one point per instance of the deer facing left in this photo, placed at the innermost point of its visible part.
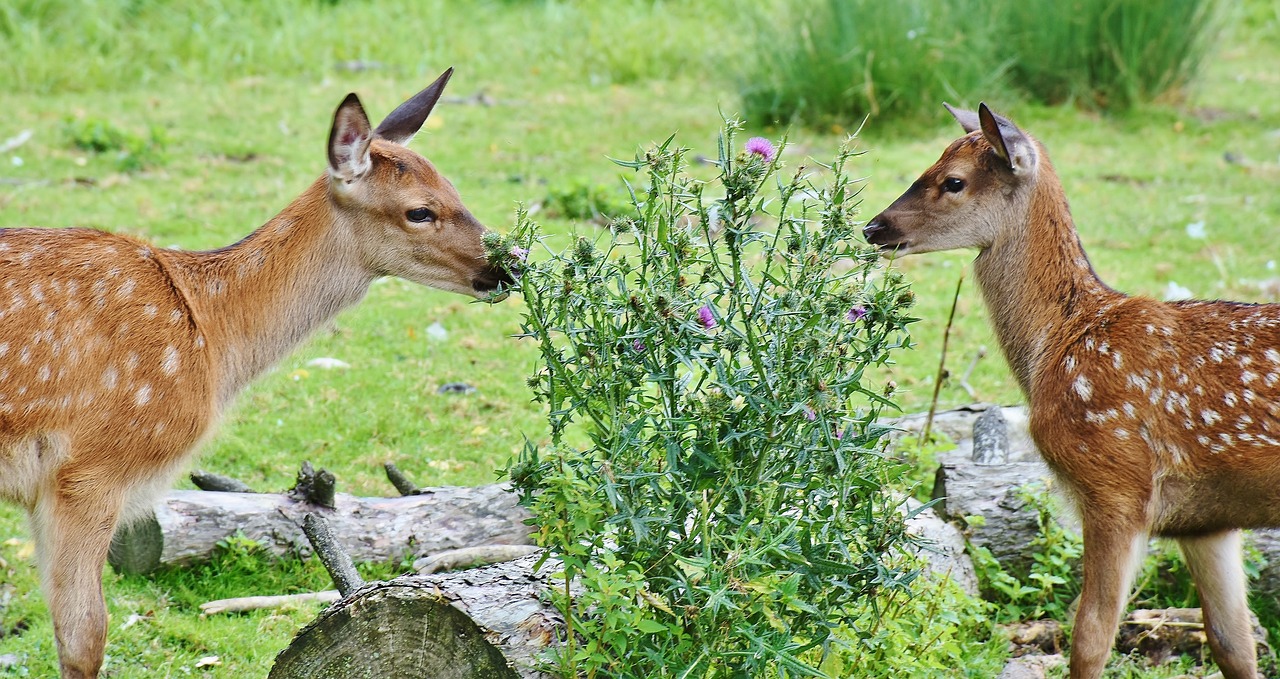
(117, 358)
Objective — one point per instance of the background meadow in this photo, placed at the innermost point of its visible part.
(192, 123)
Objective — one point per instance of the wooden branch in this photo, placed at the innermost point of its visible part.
(399, 480)
(254, 603)
(335, 559)
(210, 481)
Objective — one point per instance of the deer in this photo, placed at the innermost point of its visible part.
(1157, 419)
(118, 358)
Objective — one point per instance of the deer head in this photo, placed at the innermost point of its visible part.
(405, 218)
(979, 188)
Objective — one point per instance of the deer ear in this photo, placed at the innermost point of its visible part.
(1008, 142)
(407, 119)
(349, 141)
(967, 119)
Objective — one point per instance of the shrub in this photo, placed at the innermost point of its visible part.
(713, 479)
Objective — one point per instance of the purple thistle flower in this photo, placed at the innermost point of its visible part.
(520, 253)
(761, 147)
(638, 346)
(856, 313)
(706, 318)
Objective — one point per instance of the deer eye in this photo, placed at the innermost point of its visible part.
(420, 215)
(952, 185)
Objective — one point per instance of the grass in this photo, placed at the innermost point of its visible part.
(828, 61)
(244, 107)
(824, 60)
(1107, 53)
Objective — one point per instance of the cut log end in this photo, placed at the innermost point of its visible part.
(137, 547)
(392, 631)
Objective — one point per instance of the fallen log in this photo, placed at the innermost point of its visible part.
(484, 623)
(187, 525)
(455, 559)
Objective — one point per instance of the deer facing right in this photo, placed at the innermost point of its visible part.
(117, 358)
(1158, 418)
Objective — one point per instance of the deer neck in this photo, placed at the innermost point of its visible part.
(1037, 282)
(255, 301)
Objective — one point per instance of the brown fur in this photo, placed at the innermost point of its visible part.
(1159, 418)
(117, 358)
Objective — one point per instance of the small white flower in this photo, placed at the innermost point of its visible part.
(1196, 230)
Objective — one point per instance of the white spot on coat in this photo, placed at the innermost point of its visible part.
(170, 363)
(1083, 387)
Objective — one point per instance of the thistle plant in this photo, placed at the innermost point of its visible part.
(714, 480)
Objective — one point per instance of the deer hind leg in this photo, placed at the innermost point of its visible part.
(1112, 550)
(1216, 564)
(73, 529)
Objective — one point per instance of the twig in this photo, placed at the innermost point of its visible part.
(254, 603)
(399, 480)
(964, 381)
(942, 362)
(332, 555)
(210, 481)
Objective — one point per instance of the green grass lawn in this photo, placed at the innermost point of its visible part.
(246, 124)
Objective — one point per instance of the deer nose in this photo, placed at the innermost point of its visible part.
(873, 227)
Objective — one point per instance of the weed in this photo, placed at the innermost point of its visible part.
(1053, 582)
(934, 629)
(729, 509)
(132, 152)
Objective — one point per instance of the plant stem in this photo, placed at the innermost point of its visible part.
(942, 363)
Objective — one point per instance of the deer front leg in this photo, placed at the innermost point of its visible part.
(73, 533)
(1216, 564)
(1112, 549)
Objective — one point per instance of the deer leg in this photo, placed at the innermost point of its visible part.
(73, 533)
(1216, 564)
(1112, 549)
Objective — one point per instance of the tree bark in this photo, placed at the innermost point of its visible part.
(484, 623)
(188, 525)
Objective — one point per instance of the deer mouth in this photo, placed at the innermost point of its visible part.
(902, 247)
(493, 279)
